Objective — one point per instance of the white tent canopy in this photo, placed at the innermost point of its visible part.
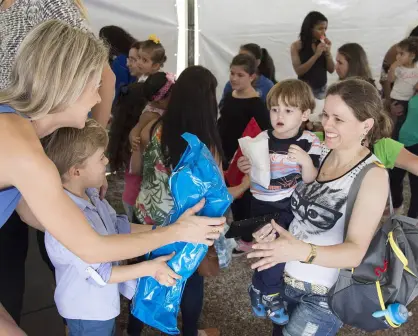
(222, 26)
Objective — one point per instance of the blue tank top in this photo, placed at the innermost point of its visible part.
(9, 197)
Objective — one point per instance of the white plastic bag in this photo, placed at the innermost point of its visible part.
(257, 151)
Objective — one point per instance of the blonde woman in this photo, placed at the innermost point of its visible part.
(54, 83)
(17, 19)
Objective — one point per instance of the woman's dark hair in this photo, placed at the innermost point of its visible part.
(414, 32)
(153, 84)
(126, 113)
(365, 102)
(358, 64)
(410, 44)
(310, 21)
(247, 62)
(192, 108)
(156, 50)
(266, 67)
(120, 41)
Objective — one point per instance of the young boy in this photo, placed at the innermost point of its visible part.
(87, 295)
(294, 157)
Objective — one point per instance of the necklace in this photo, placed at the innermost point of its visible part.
(343, 167)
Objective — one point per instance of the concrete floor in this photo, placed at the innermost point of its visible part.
(226, 300)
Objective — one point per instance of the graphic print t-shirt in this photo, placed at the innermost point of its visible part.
(285, 174)
(319, 210)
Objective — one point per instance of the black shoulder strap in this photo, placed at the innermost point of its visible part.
(353, 192)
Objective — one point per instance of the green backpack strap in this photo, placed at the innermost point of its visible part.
(353, 192)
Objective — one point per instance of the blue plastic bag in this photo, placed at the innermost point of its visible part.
(195, 177)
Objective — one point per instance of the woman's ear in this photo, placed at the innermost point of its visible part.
(253, 77)
(368, 125)
(258, 62)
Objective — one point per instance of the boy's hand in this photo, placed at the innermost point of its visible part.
(244, 165)
(160, 271)
(298, 155)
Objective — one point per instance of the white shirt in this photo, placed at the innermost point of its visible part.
(320, 210)
(404, 85)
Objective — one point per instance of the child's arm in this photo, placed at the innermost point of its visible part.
(156, 268)
(135, 166)
(392, 72)
(309, 171)
(140, 228)
(240, 189)
(135, 133)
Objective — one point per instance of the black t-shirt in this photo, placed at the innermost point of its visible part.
(235, 114)
(316, 76)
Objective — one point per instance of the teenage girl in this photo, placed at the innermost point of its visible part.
(265, 72)
(311, 54)
(240, 105)
(120, 42)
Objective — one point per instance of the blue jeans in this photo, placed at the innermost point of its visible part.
(91, 328)
(309, 314)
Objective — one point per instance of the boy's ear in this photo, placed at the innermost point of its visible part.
(306, 114)
(74, 171)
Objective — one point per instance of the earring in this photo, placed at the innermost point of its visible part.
(363, 139)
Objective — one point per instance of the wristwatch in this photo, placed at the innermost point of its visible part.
(311, 257)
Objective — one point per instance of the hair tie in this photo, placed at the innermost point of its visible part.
(154, 39)
(162, 93)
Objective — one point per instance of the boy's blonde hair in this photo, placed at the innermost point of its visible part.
(293, 92)
(68, 147)
(53, 65)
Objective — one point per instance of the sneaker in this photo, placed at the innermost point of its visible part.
(275, 308)
(242, 248)
(257, 305)
(208, 332)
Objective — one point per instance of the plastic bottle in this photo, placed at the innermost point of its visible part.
(397, 312)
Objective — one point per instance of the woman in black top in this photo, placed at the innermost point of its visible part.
(311, 54)
(240, 106)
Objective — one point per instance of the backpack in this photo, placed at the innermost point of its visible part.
(387, 274)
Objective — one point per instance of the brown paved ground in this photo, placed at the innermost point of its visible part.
(226, 301)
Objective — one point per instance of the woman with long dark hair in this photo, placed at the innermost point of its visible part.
(120, 42)
(311, 54)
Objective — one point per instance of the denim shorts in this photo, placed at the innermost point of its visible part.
(309, 314)
(91, 327)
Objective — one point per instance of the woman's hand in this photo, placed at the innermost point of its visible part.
(266, 234)
(283, 249)
(321, 47)
(244, 165)
(198, 229)
(161, 272)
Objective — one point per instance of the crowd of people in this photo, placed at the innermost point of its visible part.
(55, 73)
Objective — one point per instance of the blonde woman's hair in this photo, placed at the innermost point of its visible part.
(68, 147)
(293, 92)
(53, 65)
(81, 7)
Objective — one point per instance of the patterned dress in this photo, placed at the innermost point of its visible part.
(154, 201)
(21, 17)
